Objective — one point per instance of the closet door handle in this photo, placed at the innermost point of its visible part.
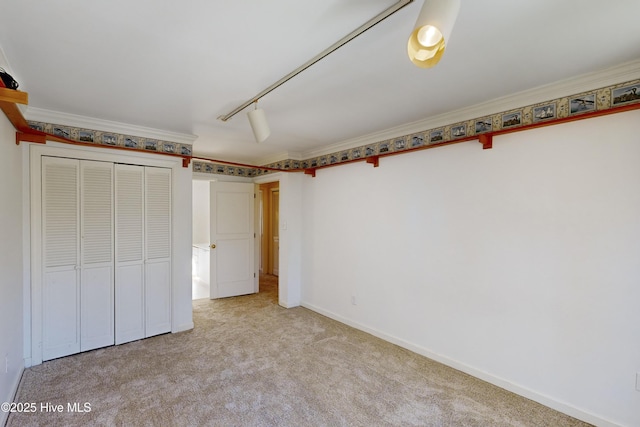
(213, 246)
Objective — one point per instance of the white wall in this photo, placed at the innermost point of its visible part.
(182, 310)
(290, 252)
(11, 340)
(201, 211)
(518, 264)
(291, 231)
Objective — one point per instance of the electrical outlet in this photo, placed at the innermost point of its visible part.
(6, 364)
(353, 300)
(638, 381)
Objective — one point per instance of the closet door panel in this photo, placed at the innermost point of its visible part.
(61, 309)
(129, 271)
(158, 250)
(61, 257)
(130, 303)
(96, 289)
(96, 308)
(106, 233)
(158, 298)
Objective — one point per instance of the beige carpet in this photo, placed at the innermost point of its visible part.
(249, 362)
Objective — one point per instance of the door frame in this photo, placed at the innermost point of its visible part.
(290, 258)
(200, 176)
(266, 225)
(284, 294)
(274, 228)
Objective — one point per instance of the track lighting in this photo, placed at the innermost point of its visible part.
(431, 32)
(257, 117)
(259, 125)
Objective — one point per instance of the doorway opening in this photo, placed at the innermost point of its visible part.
(200, 239)
(269, 198)
(267, 220)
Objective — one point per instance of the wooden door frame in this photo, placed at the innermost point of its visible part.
(273, 230)
(266, 225)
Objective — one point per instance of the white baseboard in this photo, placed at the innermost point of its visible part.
(283, 303)
(485, 376)
(4, 416)
(183, 327)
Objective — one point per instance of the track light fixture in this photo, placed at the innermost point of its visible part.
(258, 122)
(257, 117)
(431, 32)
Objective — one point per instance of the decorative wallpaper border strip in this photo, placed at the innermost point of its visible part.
(214, 167)
(96, 137)
(569, 106)
(221, 169)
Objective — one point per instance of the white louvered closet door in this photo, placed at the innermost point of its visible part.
(61, 257)
(130, 281)
(158, 251)
(96, 249)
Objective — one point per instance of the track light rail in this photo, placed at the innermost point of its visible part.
(346, 39)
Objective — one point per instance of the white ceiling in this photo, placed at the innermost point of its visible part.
(177, 66)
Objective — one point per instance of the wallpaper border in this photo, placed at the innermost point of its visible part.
(601, 99)
(113, 139)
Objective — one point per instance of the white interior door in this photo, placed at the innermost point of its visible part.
(129, 271)
(61, 256)
(232, 267)
(143, 252)
(157, 291)
(96, 283)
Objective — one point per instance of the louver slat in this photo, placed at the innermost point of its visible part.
(158, 212)
(60, 206)
(97, 210)
(130, 218)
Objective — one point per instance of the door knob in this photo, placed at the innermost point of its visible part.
(213, 246)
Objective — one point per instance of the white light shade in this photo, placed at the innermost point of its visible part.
(431, 32)
(259, 125)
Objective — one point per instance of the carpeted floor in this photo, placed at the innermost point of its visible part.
(250, 362)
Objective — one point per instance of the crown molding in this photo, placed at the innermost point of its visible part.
(278, 157)
(586, 82)
(48, 116)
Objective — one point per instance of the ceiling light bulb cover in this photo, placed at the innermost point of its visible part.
(259, 125)
(431, 32)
